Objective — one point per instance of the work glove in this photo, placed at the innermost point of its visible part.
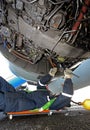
(53, 71)
(68, 73)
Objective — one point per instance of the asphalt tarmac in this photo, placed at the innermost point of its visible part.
(60, 121)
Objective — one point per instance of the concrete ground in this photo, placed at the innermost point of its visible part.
(61, 121)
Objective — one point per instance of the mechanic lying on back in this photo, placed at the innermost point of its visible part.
(16, 100)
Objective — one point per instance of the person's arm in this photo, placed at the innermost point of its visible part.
(47, 78)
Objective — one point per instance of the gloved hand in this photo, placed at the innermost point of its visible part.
(68, 73)
(53, 71)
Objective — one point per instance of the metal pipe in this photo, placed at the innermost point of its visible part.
(53, 13)
(56, 3)
(33, 1)
(64, 32)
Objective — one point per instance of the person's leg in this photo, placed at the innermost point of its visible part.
(5, 86)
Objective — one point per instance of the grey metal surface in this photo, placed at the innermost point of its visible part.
(45, 39)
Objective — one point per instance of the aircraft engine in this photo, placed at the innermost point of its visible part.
(44, 33)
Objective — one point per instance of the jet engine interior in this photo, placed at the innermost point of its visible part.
(36, 35)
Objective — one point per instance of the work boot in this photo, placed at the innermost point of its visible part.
(53, 71)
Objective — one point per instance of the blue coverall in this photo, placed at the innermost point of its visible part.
(12, 100)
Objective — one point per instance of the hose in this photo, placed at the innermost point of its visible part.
(57, 3)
